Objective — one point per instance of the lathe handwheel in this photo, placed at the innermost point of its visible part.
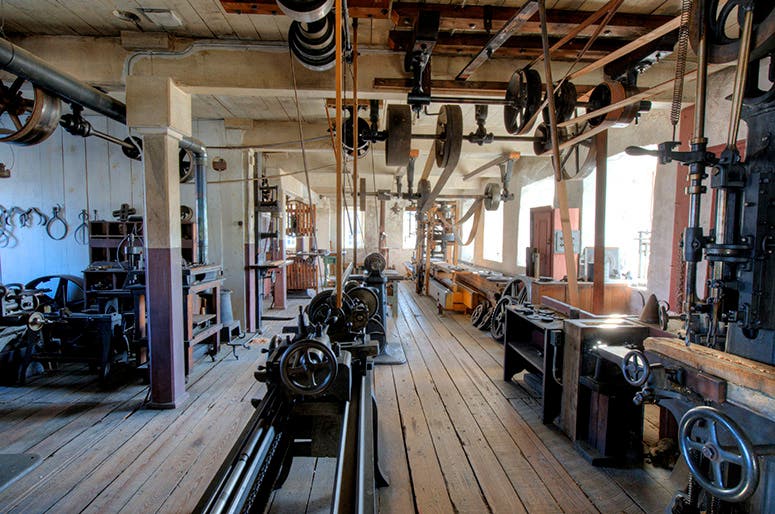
(635, 368)
(698, 438)
(308, 368)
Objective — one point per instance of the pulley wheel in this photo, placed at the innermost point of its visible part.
(564, 103)
(399, 135)
(498, 320)
(186, 213)
(543, 139)
(375, 262)
(492, 196)
(523, 98)
(449, 136)
(27, 121)
(579, 160)
(367, 297)
(485, 322)
(305, 11)
(185, 167)
(424, 190)
(308, 368)
(477, 313)
(314, 44)
(723, 43)
(605, 94)
(364, 130)
(135, 152)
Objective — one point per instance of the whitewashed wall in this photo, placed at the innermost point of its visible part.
(76, 173)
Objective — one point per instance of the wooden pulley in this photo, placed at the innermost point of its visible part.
(721, 46)
(449, 136)
(523, 98)
(605, 94)
(492, 196)
(399, 135)
(564, 102)
(27, 121)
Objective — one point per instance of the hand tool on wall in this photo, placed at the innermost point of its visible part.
(81, 232)
(57, 216)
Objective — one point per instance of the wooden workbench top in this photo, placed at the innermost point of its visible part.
(732, 368)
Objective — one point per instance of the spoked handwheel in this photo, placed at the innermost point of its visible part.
(308, 368)
(704, 434)
(27, 120)
(523, 98)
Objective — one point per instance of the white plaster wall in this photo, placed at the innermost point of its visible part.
(76, 173)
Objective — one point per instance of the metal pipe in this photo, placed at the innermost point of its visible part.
(200, 177)
(22, 63)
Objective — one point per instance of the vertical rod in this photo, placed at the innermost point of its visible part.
(355, 144)
(696, 170)
(598, 291)
(562, 191)
(338, 150)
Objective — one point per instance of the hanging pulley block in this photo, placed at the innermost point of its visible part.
(449, 136)
(29, 120)
(399, 135)
(314, 43)
(523, 98)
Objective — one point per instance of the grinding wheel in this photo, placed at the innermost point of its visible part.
(399, 135)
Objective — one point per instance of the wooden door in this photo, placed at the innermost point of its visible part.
(541, 232)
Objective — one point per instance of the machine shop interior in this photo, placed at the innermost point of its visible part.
(359, 256)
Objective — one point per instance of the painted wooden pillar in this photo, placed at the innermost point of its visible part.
(161, 113)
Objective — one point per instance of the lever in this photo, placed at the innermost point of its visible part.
(637, 151)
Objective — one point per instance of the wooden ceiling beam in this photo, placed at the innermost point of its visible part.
(356, 8)
(560, 22)
(525, 47)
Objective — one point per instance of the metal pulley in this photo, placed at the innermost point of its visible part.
(314, 43)
(605, 94)
(449, 136)
(723, 48)
(364, 133)
(27, 121)
(492, 196)
(564, 102)
(523, 98)
(375, 263)
(399, 135)
(577, 162)
(305, 11)
(423, 190)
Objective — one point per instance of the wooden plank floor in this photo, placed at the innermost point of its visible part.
(454, 438)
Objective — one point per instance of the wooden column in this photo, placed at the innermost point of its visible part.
(598, 291)
(161, 112)
(252, 228)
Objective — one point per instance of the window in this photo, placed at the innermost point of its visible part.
(347, 228)
(493, 235)
(627, 217)
(538, 194)
(466, 252)
(410, 230)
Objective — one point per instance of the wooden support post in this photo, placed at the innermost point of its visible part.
(161, 112)
(428, 249)
(598, 291)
